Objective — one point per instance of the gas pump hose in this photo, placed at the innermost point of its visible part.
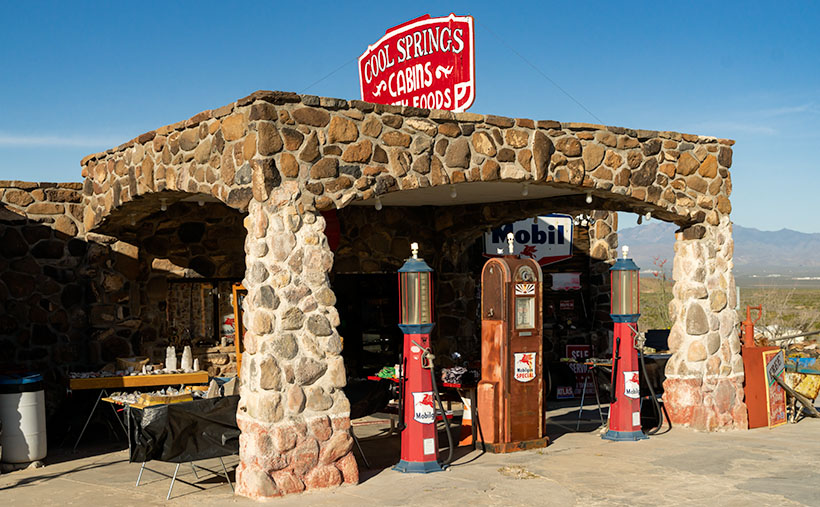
(444, 416)
(639, 343)
(427, 362)
(403, 365)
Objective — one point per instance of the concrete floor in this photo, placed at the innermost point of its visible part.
(779, 466)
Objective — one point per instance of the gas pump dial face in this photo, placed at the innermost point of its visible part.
(525, 274)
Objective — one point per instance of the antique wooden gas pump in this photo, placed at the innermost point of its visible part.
(511, 391)
(625, 410)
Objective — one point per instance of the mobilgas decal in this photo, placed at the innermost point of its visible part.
(524, 368)
(632, 388)
(547, 239)
(423, 408)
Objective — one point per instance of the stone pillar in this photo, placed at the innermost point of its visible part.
(603, 250)
(293, 415)
(704, 377)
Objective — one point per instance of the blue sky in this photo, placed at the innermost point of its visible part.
(81, 77)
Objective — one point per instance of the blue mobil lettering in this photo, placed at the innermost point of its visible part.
(554, 235)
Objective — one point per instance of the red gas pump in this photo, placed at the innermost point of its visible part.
(418, 393)
(625, 409)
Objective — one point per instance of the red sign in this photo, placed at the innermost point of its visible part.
(775, 394)
(580, 353)
(427, 63)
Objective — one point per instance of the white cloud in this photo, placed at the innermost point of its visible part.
(727, 128)
(809, 107)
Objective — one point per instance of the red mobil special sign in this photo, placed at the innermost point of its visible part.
(427, 63)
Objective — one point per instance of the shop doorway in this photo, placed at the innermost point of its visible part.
(368, 308)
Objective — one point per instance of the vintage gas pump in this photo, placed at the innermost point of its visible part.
(511, 390)
(747, 327)
(419, 443)
(625, 409)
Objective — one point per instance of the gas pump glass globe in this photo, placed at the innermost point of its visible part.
(625, 283)
(416, 293)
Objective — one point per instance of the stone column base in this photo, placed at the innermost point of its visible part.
(290, 457)
(710, 404)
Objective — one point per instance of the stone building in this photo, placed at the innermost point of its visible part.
(246, 191)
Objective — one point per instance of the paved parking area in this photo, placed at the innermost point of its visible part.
(779, 466)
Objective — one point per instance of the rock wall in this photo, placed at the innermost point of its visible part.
(340, 151)
(603, 250)
(704, 377)
(64, 295)
(294, 417)
(74, 301)
(42, 296)
(184, 241)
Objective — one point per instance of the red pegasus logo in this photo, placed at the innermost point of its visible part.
(527, 359)
(529, 251)
(427, 400)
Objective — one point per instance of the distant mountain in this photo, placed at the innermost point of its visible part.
(757, 253)
(649, 243)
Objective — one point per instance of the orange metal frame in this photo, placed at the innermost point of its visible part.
(239, 327)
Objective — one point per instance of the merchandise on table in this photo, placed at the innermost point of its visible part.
(387, 372)
(460, 375)
(160, 396)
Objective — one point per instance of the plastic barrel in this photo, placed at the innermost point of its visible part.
(23, 416)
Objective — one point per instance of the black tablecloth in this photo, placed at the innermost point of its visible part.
(180, 432)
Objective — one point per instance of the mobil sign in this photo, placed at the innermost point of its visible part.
(547, 239)
(427, 63)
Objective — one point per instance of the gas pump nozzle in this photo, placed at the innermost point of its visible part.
(427, 358)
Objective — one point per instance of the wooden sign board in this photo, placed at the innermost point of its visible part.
(773, 365)
(580, 353)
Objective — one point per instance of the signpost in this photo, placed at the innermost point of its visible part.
(580, 353)
(427, 63)
(774, 365)
(547, 239)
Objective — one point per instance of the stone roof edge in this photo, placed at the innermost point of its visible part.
(280, 97)
(32, 185)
